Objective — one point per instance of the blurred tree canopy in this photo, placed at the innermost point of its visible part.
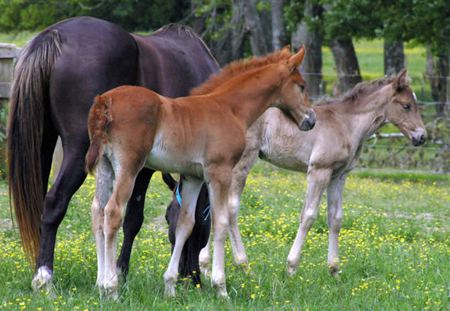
(16, 15)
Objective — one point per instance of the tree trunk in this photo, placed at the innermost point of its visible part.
(346, 62)
(394, 57)
(238, 36)
(254, 28)
(437, 72)
(278, 36)
(312, 40)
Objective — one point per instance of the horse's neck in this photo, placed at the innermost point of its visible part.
(368, 115)
(249, 102)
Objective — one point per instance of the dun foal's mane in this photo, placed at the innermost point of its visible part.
(238, 67)
(359, 89)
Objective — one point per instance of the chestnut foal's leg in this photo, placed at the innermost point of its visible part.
(239, 177)
(219, 187)
(113, 216)
(334, 197)
(186, 220)
(318, 180)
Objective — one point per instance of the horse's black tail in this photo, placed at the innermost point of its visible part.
(29, 95)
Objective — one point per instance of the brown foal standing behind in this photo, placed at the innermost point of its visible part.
(201, 137)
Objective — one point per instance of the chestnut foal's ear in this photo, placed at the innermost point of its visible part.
(401, 80)
(295, 60)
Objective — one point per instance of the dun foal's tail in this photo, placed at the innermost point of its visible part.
(29, 96)
(98, 122)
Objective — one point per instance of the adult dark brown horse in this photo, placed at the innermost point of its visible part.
(57, 76)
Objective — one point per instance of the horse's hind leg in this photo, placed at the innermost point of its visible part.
(334, 197)
(69, 179)
(134, 218)
(318, 180)
(186, 219)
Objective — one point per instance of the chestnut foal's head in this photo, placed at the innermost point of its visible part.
(293, 98)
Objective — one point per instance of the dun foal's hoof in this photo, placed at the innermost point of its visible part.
(42, 279)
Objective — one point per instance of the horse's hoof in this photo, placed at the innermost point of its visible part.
(334, 270)
(42, 279)
(221, 291)
(291, 270)
(169, 291)
(205, 270)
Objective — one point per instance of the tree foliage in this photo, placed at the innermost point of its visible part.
(16, 15)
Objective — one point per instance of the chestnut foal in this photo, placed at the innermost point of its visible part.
(201, 137)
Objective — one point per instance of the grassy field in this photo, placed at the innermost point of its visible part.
(394, 251)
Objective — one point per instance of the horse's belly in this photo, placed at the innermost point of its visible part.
(173, 162)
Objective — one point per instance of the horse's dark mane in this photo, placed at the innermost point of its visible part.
(357, 90)
(174, 27)
(179, 29)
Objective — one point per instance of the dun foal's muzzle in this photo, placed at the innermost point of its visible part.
(309, 121)
(418, 136)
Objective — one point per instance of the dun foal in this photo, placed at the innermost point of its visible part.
(201, 137)
(327, 153)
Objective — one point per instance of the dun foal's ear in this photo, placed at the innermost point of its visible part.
(295, 60)
(170, 182)
(401, 80)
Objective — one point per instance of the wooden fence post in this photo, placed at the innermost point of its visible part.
(8, 54)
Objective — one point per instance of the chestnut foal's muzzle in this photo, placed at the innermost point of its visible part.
(309, 121)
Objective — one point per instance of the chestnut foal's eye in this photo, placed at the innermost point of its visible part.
(302, 87)
(407, 107)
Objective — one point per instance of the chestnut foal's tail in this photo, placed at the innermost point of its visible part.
(29, 97)
(98, 122)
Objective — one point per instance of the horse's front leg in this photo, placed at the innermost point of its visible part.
(185, 224)
(334, 197)
(317, 179)
(219, 186)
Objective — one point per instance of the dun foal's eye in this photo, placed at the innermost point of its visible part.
(407, 107)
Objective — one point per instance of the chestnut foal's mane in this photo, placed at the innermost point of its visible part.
(238, 67)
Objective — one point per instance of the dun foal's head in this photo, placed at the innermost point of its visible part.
(293, 97)
(403, 111)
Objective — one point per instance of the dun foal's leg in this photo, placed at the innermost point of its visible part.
(318, 179)
(334, 197)
(186, 220)
(104, 182)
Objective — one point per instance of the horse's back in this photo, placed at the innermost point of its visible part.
(96, 55)
(173, 60)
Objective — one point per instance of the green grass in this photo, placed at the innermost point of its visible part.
(394, 251)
